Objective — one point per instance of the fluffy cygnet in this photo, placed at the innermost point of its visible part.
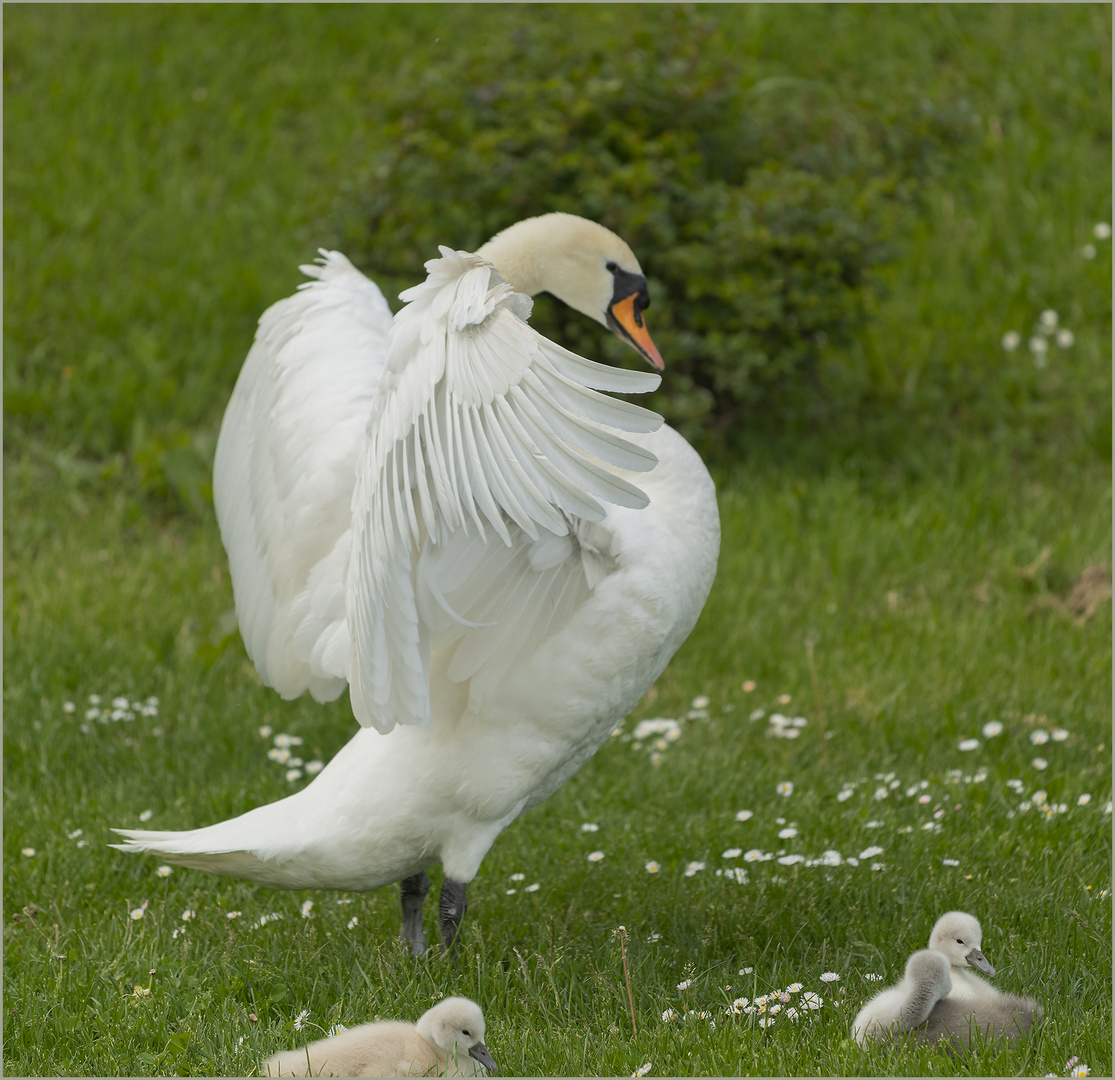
(448, 1040)
(940, 998)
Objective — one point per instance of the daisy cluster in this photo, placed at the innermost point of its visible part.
(1038, 737)
(939, 798)
(517, 878)
(792, 1004)
(112, 710)
(1101, 231)
(1046, 329)
(252, 923)
(283, 752)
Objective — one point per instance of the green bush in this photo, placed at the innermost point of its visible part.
(758, 208)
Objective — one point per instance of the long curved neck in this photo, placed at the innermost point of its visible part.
(564, 255)
(523, 252)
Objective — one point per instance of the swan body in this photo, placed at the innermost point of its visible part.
(448, 1040)
(439, 511)
(941, 999)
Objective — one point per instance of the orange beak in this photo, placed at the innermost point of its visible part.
(627, 323)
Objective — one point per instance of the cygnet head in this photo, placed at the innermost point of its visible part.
(958, 935)
(457, 1024)
(584, 265)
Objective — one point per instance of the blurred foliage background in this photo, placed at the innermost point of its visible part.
(840, 210)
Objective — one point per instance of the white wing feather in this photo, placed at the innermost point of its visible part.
(285, 471)
(483, 435)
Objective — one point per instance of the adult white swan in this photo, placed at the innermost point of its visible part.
(436, 510)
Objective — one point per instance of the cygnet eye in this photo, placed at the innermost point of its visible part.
(959, 941)
(465, 1031)
(611, 266)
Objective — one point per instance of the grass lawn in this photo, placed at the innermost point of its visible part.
(910, 580)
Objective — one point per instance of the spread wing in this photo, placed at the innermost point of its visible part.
(485, 444)
(285, 471)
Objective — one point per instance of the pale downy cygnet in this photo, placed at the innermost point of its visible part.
(448, 1040)
(940, 998)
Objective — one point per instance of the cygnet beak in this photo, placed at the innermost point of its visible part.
(480, 1052)
(625, 320)
(978, 960)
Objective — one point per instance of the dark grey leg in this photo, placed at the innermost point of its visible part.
(412, 891)
(452, 906)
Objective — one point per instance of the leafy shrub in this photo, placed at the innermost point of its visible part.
(758, 208)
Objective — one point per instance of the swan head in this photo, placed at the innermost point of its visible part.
(585, 266)
(958, 936)
(457, 1024)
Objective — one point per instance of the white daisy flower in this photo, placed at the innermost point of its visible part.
(1065, 339)
(232, 914)
(685, 984)
(732, 853)
(1084, 799)
(642, 1070)
(744, 815)
(829, 976)
(1101, 231)
(785, 788)
(692, 868)
(968, 744)
(307, 908)
(352, 923)
(336, 1029)
(1011, 340)
(668, 1015)
(533, 887)
(870, 852)
(1059, 734)
(991, 729)
(146, 815)
(139, 912)
(300, 1019)
(265, 731)
(595, 856)
(788, 833)
(590, 826)
(1039, 737)
(164, 871)
(1040, 763)
(1088, 251)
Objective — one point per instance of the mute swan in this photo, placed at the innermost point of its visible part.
(448, 1040)
(939, 998)
(437, 511)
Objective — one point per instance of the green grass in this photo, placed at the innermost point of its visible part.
(924, 544)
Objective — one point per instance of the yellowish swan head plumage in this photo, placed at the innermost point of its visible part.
(584, 265)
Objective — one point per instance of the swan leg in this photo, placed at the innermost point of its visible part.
(452, 906)
(412, 891)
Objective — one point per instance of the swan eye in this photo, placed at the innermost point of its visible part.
(959, 941)
(465, 1031)
(611, 267)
